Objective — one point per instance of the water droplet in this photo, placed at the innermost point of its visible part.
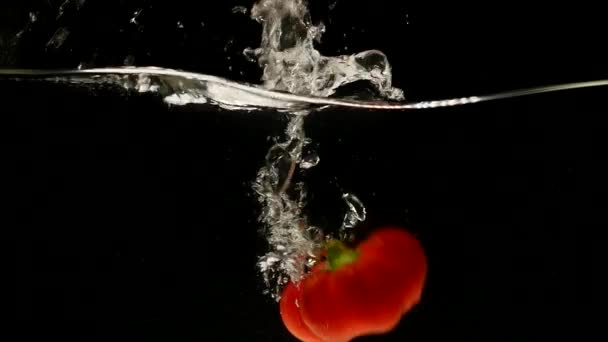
(58, 38)
(61, 9)
(356, 211)
(228, 44)
(309, 161)
(251, 54)
(239, 9)
(135, 16)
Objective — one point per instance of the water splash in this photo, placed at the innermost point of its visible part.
(293, 243)
(292, 64)
(296, 79)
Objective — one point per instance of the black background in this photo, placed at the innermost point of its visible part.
(131, 220)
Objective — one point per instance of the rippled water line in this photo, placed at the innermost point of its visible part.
(255, 90)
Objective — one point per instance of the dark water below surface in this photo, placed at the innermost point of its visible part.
(126, 219)
(134, 220)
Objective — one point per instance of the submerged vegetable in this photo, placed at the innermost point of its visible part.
(356, 292)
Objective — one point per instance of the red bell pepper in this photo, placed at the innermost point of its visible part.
(357, 291)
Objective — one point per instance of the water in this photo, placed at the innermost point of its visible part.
(292, 64)
(102, 180)
(297, 80)
(293, 174)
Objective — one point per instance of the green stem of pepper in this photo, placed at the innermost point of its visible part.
(338, 255)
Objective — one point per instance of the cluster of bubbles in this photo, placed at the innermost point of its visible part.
(292, 64)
